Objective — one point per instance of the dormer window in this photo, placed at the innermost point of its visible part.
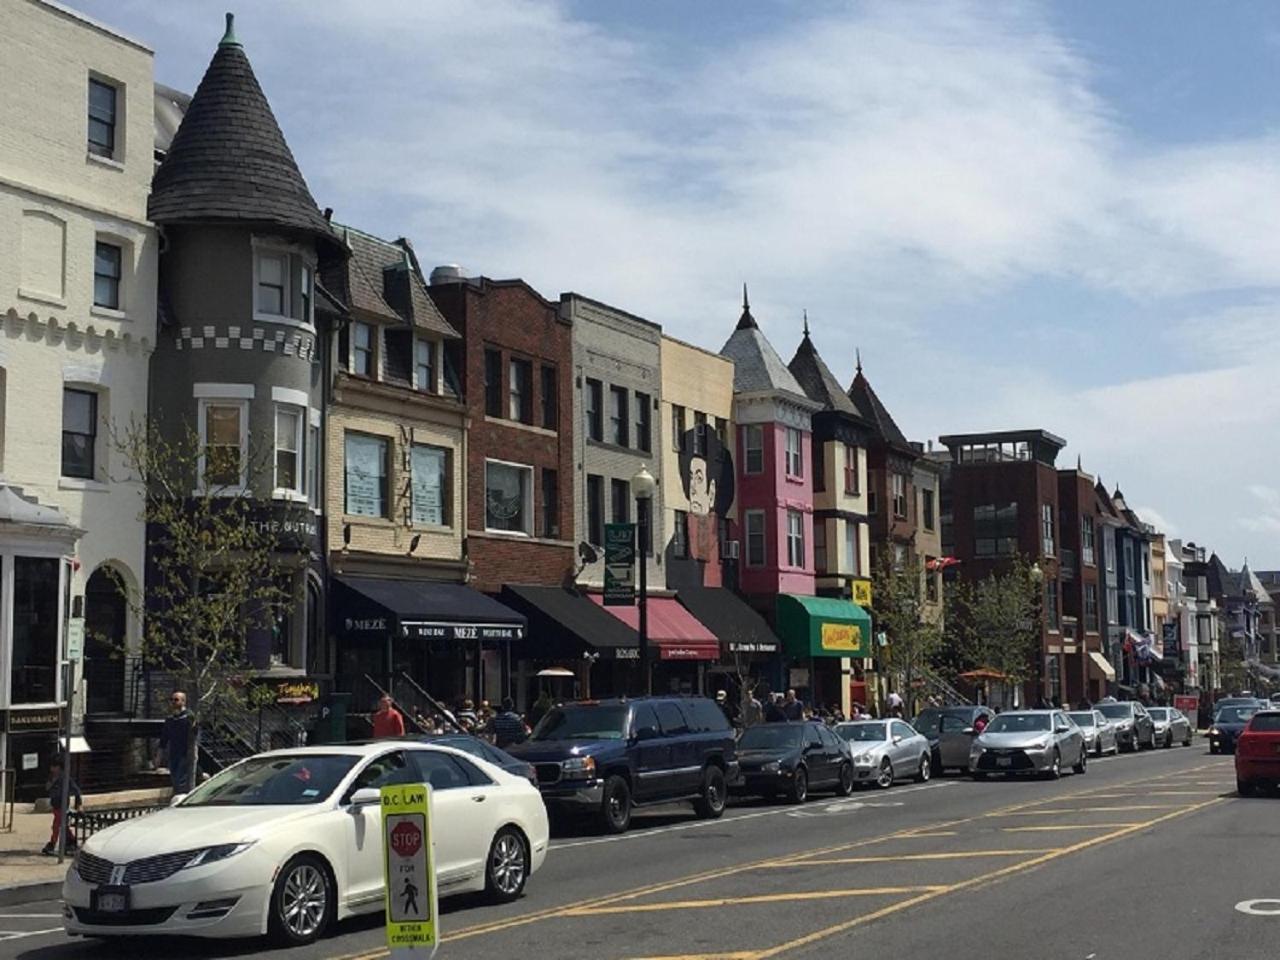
(424, 365)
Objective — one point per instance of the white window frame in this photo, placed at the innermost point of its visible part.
(313, 459)
(1046, 530)
(387, 453)
(850, 547)
(528, 498)
(298, 492)
(444, 486)
(757, 516)
(795, 458)
(116, 157)
(749, 431)
(241, 404)
(122, 287)
(372, 373)
(261, 250)
(898, 495)
(795, 540)
(419, 342)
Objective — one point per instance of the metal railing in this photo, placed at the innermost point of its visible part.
(85, 823)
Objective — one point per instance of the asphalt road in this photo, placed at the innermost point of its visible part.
(1147, 856)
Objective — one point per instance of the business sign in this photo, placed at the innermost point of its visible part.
(1171, 651)
(752, 646)
(296, 691)
(1189, 704)
(861, 592)
(413, 931)
(619, 564)
(22, 719)
(75, 638)
(462, 631)
(845, 638)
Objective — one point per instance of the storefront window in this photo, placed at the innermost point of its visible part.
(35, 629)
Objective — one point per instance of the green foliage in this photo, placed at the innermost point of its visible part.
(898, 609)
(994, 623)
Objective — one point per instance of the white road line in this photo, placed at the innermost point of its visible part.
(776, 811)
(4, 935)
(30, 916)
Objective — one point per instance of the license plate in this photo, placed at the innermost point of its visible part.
(112, 899)
(1004, 761)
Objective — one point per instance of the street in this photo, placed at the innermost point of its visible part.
(1145, 856)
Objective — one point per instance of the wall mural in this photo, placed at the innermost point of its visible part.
(707, 477)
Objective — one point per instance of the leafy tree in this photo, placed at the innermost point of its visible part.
(994, 622)
(898, 608)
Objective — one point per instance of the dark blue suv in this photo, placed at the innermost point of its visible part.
(602, 758)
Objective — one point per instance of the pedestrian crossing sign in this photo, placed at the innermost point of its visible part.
(411, 898)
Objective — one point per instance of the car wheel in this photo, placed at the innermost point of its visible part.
(302, 901)
(1213, 748)
(710, 804)
(1097, 750)
(884, 777)
(1245, 787)
(844, 786)
(925, 771)
(615, 806)
(800, 786)
(1168, 740)
(935, 761)
(1084, 761)
(978, 774)
(1055, 770)
(508, 867)
(1187, 742)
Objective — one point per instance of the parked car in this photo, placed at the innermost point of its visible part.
(1028, 741)
(485, 751)
(1133, 725)
(1099, 734)
(887, 750)
(793, 759)
(288, 842)
(1244, 701)
(950, 732)
(1170, 726)
(1228, 724)
(603, 758)
(1258, 753)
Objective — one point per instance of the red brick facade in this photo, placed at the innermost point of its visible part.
(510, 318)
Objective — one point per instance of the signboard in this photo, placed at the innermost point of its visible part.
(75, 638)
(1189, 704)
(619, 564)
(22, 719)
(462, 631)
(752, 646)
(411, 903)
(1171, 650)
(844, 637)
(861, 592)
(297, 691)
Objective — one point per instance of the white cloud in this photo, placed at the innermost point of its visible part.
(1267, 504)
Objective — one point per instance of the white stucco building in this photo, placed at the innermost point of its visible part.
(78, 306)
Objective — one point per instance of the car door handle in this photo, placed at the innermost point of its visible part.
(478, 798)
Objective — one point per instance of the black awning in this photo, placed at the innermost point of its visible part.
(423, 610)
(736, 625)
(565, 622)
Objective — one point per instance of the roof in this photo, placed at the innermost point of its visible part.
(757, 368)
(229, 162)
(382, 280)
(872, 410)
(817, 380)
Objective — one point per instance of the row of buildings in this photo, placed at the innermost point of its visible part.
(440, 454)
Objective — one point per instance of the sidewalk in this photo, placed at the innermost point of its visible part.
(25, 873)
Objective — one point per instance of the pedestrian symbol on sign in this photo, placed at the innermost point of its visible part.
(410, 894)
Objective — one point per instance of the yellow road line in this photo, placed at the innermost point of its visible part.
(745, 955)
(920, 833)
(907, 857)
(1070, 826)
(1135, 806)
(751, 900)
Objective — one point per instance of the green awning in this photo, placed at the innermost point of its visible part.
(823, 627)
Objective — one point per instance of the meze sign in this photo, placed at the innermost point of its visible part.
(412, 928)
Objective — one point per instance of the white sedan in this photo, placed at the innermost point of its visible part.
(285, 843)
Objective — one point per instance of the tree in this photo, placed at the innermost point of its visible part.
(994, 622)
(897, 604)
(214, 566)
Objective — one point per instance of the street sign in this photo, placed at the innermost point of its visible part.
(75, 638)
(413, 931)
(861, 592)
(619, 564)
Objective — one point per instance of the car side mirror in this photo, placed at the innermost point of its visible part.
(364, 797)
(897, 738)
(647, 733)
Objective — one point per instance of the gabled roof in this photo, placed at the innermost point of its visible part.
(872, 410)
(817, 380)
(228, 161)
(757, 368)
(381, 279)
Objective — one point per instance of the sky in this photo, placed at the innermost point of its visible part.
(1024, 215)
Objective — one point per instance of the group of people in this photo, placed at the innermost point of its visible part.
(501, 727)
(762, 706)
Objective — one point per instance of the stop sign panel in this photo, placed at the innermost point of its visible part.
(406, 839)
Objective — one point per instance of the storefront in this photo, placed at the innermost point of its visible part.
(750, 652)
(680, 647)
(821, 637)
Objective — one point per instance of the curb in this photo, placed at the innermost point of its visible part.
(14, 894)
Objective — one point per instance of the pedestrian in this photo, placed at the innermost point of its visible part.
(541, 707)
(980, 723)
(792, 707)
(773, 709)
(895, 704)
(467, 716)
(752, 711)
(175, 743)
(507, 726)
(55, 801)
(728, 708)
(387, 721)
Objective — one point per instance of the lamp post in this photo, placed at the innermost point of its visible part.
(642, 488)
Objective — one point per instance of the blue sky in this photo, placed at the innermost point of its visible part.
(1053, 215)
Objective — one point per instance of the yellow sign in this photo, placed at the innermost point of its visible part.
(842, 636)
(412, 917)
(862, 593)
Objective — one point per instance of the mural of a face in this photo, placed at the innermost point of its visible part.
(706, 473)
(702, 486)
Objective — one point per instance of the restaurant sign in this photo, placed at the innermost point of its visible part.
(861, 592)
(462, 631)
(296, 691)
(842, 637)
(23, 719)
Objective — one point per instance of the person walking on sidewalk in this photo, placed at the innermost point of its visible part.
(387, 721)
(55, 801)
(175, 743)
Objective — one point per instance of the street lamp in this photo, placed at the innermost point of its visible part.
(642, 488)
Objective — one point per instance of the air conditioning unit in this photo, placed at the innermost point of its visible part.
(729, 549)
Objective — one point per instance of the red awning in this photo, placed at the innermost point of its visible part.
(676, 633)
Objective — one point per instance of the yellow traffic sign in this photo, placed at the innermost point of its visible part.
(413, 931)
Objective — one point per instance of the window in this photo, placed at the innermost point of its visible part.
(820, 546)
(1091, 608)
(362, 349)
(1046, 529)
(306, 293)
(699, 434)
(644, 435)
(672, 720)
(677, 427)
(930, 581)
(873, 503)
(444, 772)
(795, 466)
(313, 466)
(429, 484)
(79, 433)
(1127, 572)
(1086, 541)
(595, 410)
(851, 565)
(927, 507)
(1146, 567)
(271, 297)
(1051, 603)
(106, 275)
(795, 538)
(365, 475)
(222, 426)
(424, 365)
(102, 118)
(620, 501)
(289, 449)
(722, 432)
(899, 492)
(1113, 605)
(520, 392)
(995, 530)
(595, 509)
(550, 398)
(550, 503)
(754, 522)
(492, 383)
(1109, 550)
(508, 497)
(850, 469)
(753, 448)
(818, 465)
(680, 535)
(35, 630)
(899, 556)
(619, 418)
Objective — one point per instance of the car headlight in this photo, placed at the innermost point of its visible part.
(1214, 731)
(579, 767)
(1041, 744)
(773, 766)
(864, 760)
(212, 854)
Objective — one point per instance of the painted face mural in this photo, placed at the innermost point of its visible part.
(706, 476)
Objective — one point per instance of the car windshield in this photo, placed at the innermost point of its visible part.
(1266, 722)
(1234, 714)
(932, 722)
(280, 780)
(1018, 723)
(1115, 711)
(770, 736)
(1082, 719)
(583, 723)
(860, 732)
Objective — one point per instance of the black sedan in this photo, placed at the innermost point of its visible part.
(792, 758)
(485, 751)
(1228, 724)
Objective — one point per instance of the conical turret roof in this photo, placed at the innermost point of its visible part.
(875, 413)
(817, 380)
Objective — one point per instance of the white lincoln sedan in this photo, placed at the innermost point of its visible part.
(285, 843)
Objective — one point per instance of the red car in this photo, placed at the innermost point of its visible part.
(1258, 753)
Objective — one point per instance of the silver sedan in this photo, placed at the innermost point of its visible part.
(1099, 734)
(1029, 741)
(1172, 726)
(885, 751)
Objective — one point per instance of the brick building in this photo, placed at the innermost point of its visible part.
(1083, 667)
